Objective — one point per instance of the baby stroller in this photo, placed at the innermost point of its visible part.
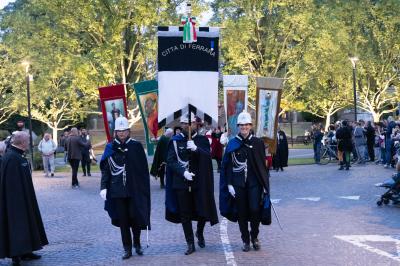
(393, 190)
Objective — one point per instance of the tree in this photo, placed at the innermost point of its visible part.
(263, 38)
(76, 46)
(322, 76)
(9, 81)
(378, 46)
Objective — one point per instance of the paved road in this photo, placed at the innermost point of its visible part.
(320, 228)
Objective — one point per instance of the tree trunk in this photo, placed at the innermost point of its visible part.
(376, 116)
(55, 137)
(327, 121)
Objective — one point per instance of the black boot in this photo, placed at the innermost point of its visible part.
(256, 244)
(16, 261)
(200, 240)
(139, 250)
(30, 256)
(190, 249)
(127, 253)
(246, 247)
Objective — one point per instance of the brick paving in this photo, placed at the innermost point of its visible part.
(80, 232)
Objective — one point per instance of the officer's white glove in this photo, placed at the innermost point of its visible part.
(188, 176)
(231, 190)
(191, 145)
(103, 194)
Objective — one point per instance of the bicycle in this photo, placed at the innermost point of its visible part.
(328, 153)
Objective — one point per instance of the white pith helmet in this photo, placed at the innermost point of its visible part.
(185, 118)
(121, 123)
(244, 118)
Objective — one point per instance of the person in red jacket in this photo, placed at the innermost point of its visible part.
(216, 147)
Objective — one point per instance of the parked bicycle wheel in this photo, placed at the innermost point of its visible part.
(325, 158)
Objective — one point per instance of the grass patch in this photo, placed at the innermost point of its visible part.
(67, 168)
(300, 146)
(299, 161)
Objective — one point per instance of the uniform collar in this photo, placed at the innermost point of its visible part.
(194, 134)
(241, 138)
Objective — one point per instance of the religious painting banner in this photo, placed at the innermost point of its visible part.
(268, 98)
(147, 98)
(235, 100)
(188, 74)
(113, 105)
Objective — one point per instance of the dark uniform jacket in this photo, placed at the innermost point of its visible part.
(160, 157)
(258, 174)
(234, 174)
(203, 181)
(178, 153)
(134, 184)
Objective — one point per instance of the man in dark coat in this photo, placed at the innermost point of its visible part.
(370, 134)
(345, 145)
(280, 158)
(125, 186)
(21, 226)
(190, 183)
(85, 150)
(244, 183)
(74, 148)
(160, 157)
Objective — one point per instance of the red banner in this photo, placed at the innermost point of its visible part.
(113, 105)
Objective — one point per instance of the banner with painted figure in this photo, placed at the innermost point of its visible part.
(268, 98)
(113, 105)
(147, 97)
(188, 74)
(235, 97)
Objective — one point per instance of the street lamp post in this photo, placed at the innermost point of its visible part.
(28, 94)
(354, 63)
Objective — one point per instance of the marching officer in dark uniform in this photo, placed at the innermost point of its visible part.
(190, 183)
(125, 186)
(245, 183)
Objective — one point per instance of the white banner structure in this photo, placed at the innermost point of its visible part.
(188, 74)
(235, 100)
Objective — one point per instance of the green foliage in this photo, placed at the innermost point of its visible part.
(76, 46)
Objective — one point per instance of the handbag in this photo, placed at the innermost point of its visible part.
(266, 210)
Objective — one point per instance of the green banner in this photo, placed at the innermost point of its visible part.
(147, 97)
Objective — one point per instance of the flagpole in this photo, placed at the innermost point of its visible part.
(189, 138)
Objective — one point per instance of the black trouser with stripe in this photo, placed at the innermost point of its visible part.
(186, 204)
(122, 206)
(248, 200)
